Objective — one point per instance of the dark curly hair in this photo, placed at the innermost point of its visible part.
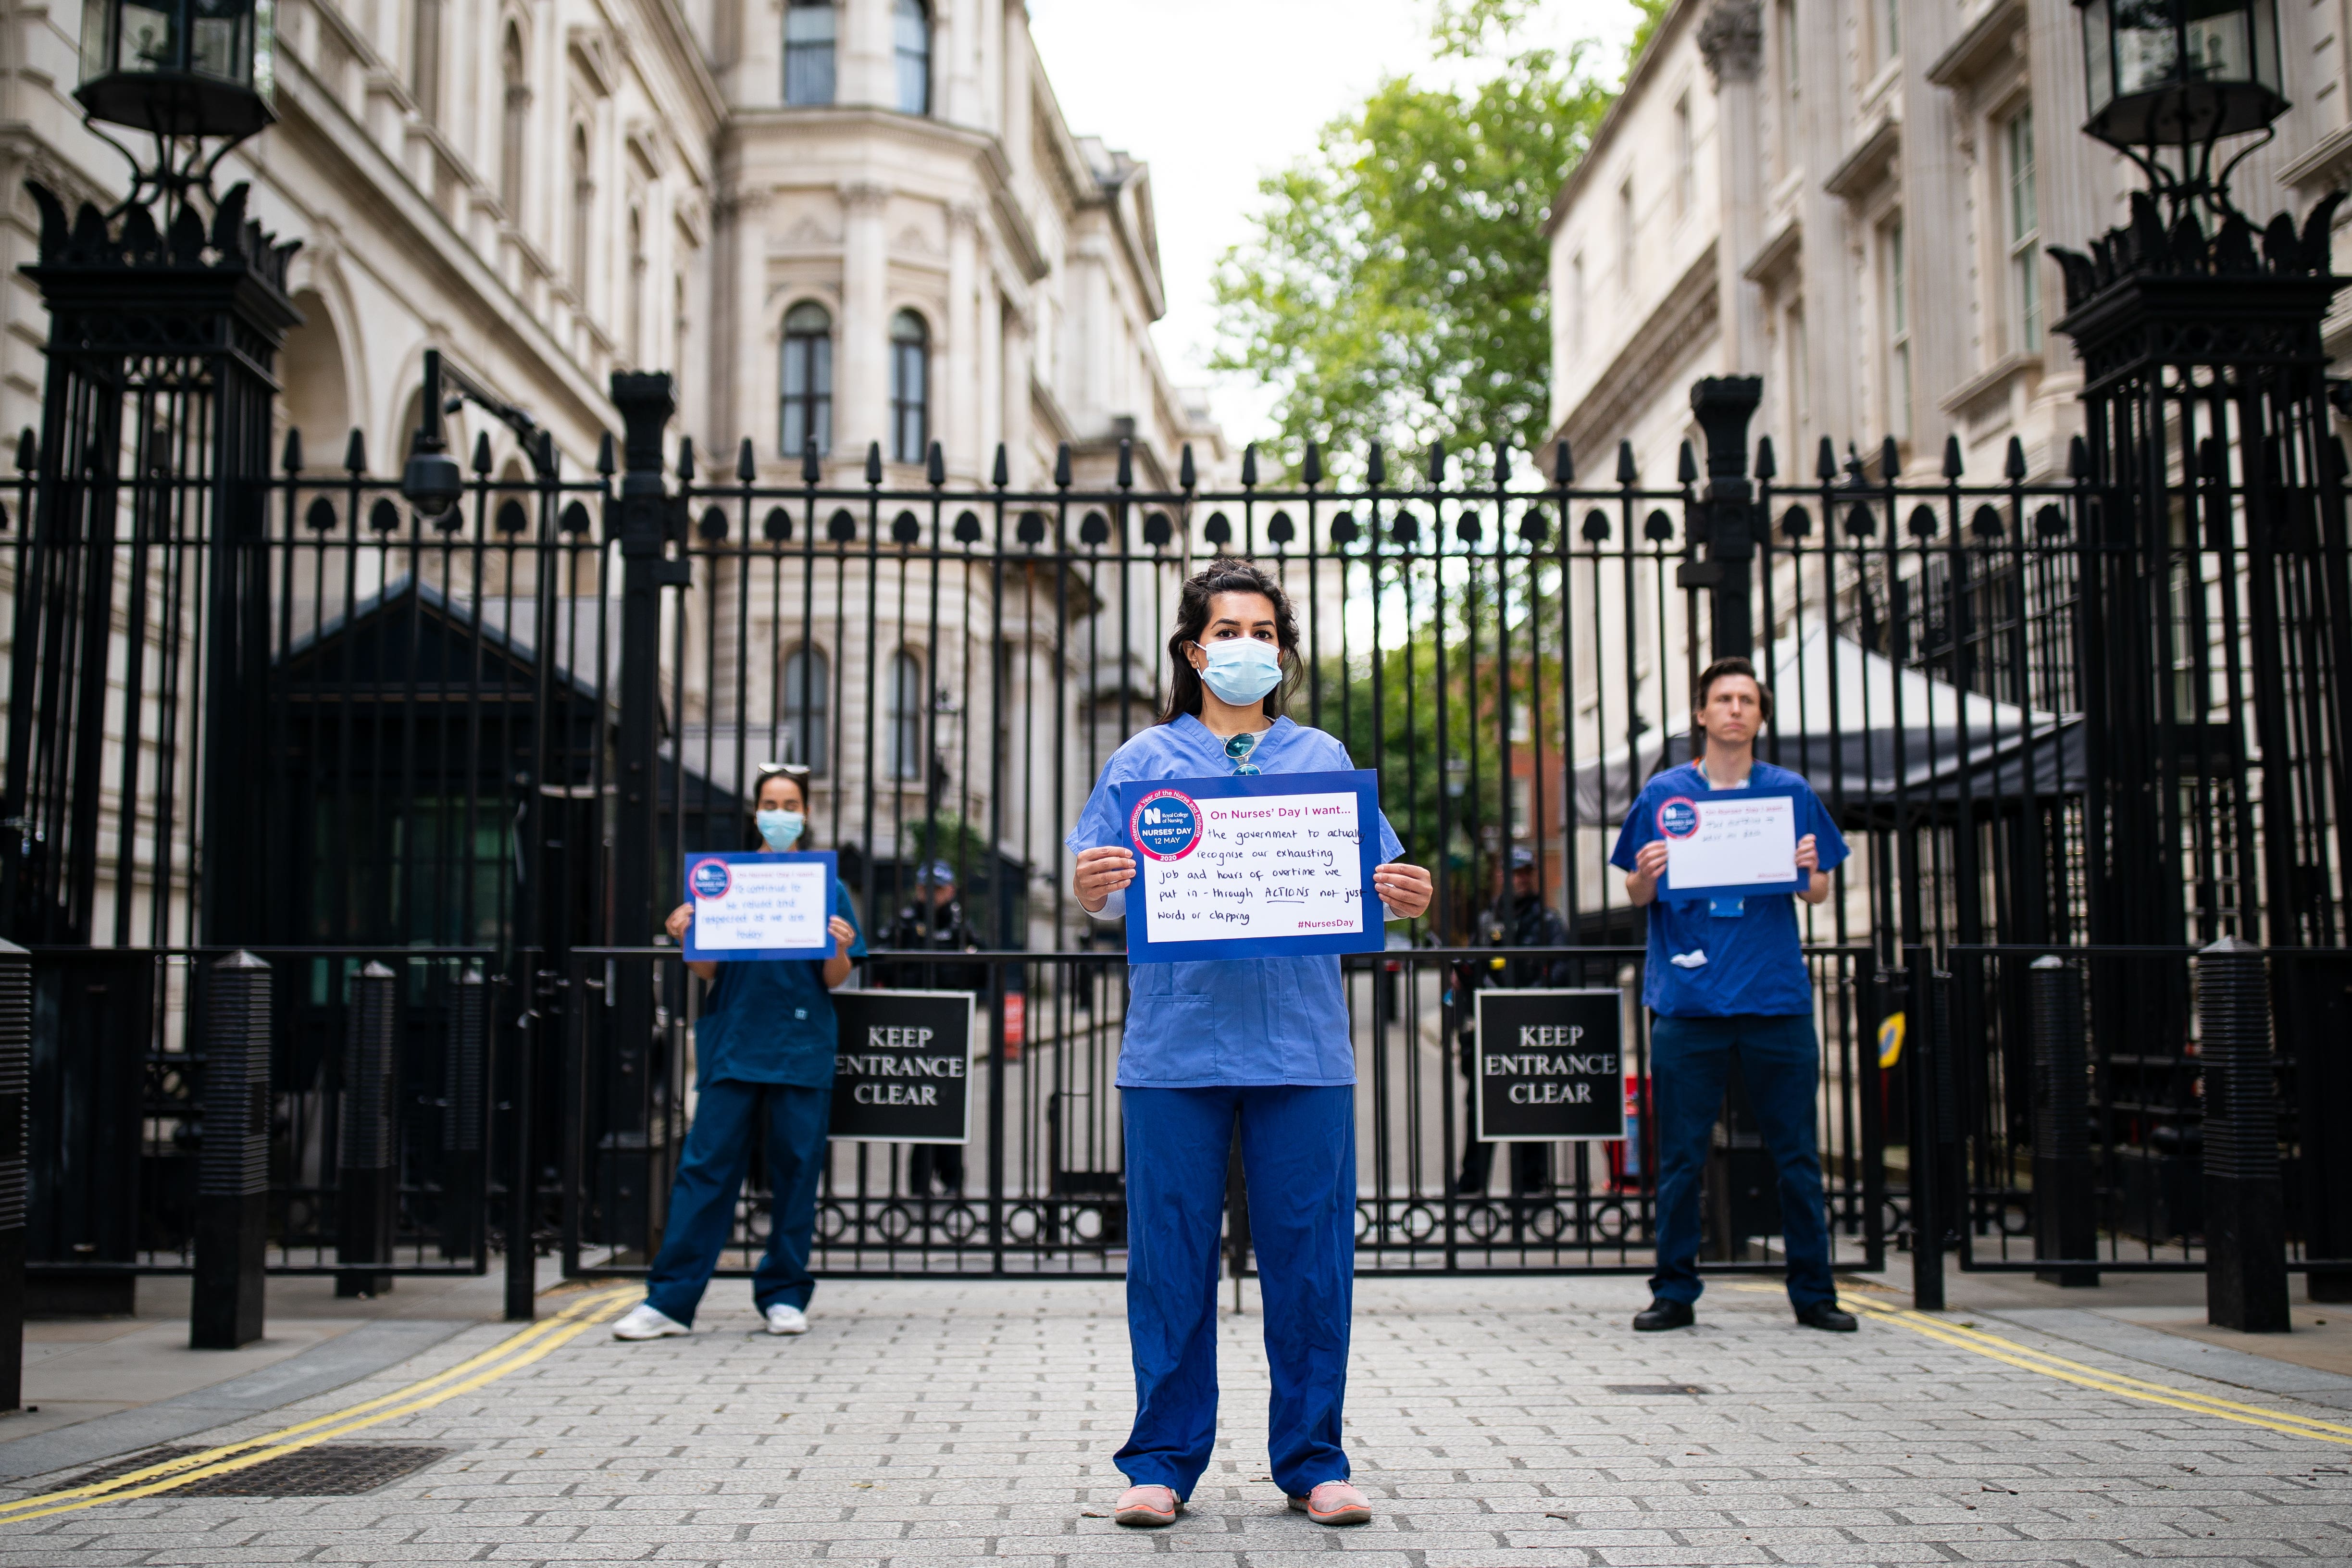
(1227, 574)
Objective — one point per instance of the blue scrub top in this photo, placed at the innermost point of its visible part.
(771, 1020)
(1238, 1022)
(1754, 961)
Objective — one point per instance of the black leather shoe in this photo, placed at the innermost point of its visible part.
(1829, 1316)
(1662, 1313)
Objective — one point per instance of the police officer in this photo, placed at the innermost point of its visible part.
(1520, 919)
(935, 922)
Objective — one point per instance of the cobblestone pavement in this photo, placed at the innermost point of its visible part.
(937, 1424)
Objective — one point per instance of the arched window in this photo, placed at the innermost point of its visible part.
(517, 119)
(906, 716)
(583, 201)
(808, 708)
(910, 375)
(808, 52)
(912, 37)
(807, 380)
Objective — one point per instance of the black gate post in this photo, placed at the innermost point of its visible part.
(16, 1101)
(623, 1155)
(368, 1171)
(2065, 1225)
(225, 1306)
(465, 1085)
(1724, 404)
(2245, 1202)
(1919, 1079)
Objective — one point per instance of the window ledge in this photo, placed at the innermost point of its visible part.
(1964, 400)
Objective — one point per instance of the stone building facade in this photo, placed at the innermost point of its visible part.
(837, 222)
(549, 190)
(1851, 198)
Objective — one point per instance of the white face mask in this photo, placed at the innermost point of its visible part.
(1241, 671)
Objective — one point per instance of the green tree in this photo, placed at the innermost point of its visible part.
(1394, 287)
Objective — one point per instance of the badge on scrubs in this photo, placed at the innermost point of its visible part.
(1253, 865)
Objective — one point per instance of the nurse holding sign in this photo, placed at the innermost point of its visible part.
(1262, 854)
(775, 931)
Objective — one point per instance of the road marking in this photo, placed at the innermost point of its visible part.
(2117, 1383)
(509, 1354)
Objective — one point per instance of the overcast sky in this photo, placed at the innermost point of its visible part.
(1214, 93)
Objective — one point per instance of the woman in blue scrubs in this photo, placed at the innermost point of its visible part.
(1266, 1038)
(763, 1046)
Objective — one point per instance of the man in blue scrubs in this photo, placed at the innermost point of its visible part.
(1728, 974)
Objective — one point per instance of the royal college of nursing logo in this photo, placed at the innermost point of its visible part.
(1166, 825)
(1677, 818)
(710, 879)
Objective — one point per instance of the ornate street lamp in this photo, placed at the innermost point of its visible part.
(2183, 74)
(186, 71)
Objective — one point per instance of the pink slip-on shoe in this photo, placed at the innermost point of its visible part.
(1146, 1508)
(1334, 1502)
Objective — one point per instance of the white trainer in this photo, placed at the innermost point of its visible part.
(643, 1322)
(786, 1319)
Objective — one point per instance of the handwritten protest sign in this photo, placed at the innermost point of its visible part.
(1252, 866)
(1730, 842)
(760, 905)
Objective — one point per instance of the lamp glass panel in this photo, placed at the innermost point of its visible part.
(2266, 43)
(2219, 43)
(2147, 45)
(143, 41)
(2097, 54)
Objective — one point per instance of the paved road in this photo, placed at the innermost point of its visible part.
(931, 1423)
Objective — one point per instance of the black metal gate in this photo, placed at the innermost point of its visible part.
(492, 734)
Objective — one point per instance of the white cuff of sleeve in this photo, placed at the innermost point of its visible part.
(1114, 907)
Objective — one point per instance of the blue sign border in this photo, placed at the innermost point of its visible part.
(1743, 890)
(1366, 785)
(762, 858)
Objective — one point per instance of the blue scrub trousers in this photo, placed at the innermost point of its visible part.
(1780, 1059)
(709, 1176)
(1298, 1157)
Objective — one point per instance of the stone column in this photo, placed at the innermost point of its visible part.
(989, 392)
(2071, 184)
(1017, 357)
(959, 403)
(861, 367)
(1731, 41)
(749, 367)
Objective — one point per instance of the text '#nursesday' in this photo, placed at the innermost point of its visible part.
(1265, 867)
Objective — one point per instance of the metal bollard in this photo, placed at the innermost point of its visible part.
(368, 1167)
(463, 1116)
(2066, 1225)
(226, 1303)
(16, 1098)
(2245, 1202)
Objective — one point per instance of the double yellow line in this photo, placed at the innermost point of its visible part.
(2121, 1384)
(511, 1354)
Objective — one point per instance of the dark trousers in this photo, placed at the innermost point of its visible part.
(710, 1173)
(1530, 1163)
(1299, 1158)
(1780, 1059)
(926, 1160)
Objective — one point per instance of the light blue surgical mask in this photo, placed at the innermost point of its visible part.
(782, 829)
(1241, 671)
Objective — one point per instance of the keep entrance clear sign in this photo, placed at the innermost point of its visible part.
(1551, 1066)
(902, 1072)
